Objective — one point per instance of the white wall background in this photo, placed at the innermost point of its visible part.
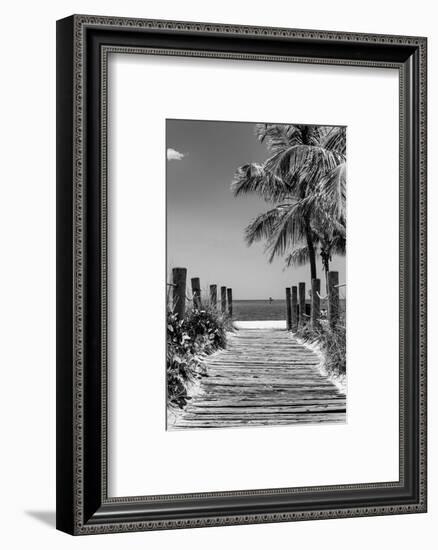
(27, 300)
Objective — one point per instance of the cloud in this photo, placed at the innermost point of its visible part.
(172, 154)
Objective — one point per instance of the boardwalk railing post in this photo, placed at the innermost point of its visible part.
(230, 301)
(288, 309)
(213, 296)
(333, 298)
(302, 302)
(179, 278)
(223, 299)
(294, 319)
(315, 306)
(196, 292)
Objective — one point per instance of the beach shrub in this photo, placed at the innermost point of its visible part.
(182, 364)
(201, 332)
(206, 328)
(332, 342)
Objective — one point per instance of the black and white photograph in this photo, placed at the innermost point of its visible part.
(256, 274)
(215, 332)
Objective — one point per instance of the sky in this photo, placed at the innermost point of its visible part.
(206, 223)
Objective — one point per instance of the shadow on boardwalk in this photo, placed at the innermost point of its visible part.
(264, 377)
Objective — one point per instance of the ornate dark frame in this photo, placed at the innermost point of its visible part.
(83, 43)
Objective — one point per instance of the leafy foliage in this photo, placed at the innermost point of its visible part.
(304, 180)
(332, 342)
(298, 256)
(182, 363)
(201, 332)
(206, 328)
(329, 195)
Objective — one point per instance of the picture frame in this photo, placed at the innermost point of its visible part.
(83, 44)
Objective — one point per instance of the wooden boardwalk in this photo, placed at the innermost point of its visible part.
(264, 377)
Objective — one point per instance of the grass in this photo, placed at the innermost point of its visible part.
(332, 342)
(201, 332)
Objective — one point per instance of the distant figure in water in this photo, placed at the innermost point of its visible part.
(270, 300)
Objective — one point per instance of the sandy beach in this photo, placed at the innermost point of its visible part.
(259, 324)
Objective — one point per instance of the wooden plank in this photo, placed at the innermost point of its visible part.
(264, 377)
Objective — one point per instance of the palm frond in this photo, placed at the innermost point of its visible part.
(281, 136)
(305, 178)
(298, 164)
(331, 192)
(278, 136)
(249, 178)
(336, 140)
(298, 256)
(310, 134)
(255, 179)
(289, 229)
(339, 245)
(263, 226)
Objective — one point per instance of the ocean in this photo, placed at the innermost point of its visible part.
(263, 310)
(259, 310)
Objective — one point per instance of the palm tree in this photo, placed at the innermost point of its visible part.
(301, 157)
(332, 241)
(327, 203)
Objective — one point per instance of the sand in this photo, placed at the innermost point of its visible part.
(259, 324)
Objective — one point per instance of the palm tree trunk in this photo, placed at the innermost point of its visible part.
(326, 267)
(311, 247)
(326, 250)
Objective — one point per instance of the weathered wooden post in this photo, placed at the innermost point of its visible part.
(302, 298)
(294, 319)
(315, 306)
(288, 309)
(196, 292)
(213, 295)
(179, 278)
(223, 299)
(230, 301)
(333, 298)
